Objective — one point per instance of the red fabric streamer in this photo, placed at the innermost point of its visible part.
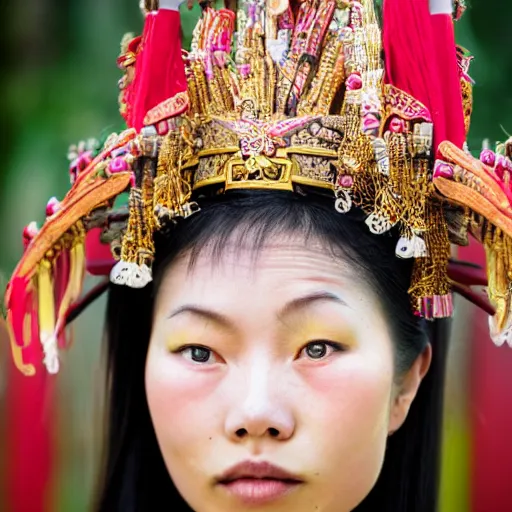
(159, 62)
(446, 52)
(421, 59)
(29, 430)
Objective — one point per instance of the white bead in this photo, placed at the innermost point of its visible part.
(343, 203)
(414, 247)
(377, 224)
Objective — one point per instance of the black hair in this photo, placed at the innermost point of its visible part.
(134, 477)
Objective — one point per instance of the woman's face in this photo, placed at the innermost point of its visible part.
(270, 381)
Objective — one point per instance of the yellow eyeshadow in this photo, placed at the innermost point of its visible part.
(315, 330)
(177, 339)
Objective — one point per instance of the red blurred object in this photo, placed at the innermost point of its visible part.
(160, 61)
(30, 421)
(99, 260)
(490, 411)
(29, 426)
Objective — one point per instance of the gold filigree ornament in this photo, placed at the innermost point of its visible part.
(297, 101)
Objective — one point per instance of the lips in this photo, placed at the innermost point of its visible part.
(256, 483)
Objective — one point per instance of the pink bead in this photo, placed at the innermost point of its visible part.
(345, 181)
(397, 125)
(488, 157)
(370, 122)
(443, 170)
(354, 82)
(118, 164)
(30, 231)
(52, 206)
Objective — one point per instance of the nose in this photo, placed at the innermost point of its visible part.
(261, 408)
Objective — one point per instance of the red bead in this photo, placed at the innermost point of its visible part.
(443, 170)
(397, 125)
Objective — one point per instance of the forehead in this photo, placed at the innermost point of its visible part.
(280, 269)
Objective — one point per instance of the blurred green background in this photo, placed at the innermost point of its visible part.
(58, 86)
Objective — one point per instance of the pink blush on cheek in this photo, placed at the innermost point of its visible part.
(174, 385)
(353, 398)
(183, 413)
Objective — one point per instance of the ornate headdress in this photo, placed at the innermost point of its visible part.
(282, 96)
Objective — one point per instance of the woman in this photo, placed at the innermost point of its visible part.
(273, 339)
(280, 253)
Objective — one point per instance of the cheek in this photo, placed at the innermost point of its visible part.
(348, 413)
(356, 398)
(182, 412)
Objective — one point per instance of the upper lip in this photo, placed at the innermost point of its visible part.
(254, 469)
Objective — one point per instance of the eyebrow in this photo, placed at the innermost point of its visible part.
(291, 307)
(303, 302)
(206, 314)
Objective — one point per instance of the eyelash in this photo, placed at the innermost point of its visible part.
(183, 350)
(335, 347)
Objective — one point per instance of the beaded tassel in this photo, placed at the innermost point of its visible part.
(137, 248)
(171, 198)
(146, 249)
(430, 286)
(75, 278)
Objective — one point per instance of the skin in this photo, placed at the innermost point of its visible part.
(260, 395)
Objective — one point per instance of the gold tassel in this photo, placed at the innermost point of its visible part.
(430, 285)
(172, 192)
(76, 276)
(127, 271)
(146, 249)
(46, 311)
(164, 201)
(388, 193)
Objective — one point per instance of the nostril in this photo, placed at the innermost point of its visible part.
(273, 432)
(241, 432)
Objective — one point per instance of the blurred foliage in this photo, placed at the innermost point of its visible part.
(58, 86)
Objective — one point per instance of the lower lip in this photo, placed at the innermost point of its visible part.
(254, 491)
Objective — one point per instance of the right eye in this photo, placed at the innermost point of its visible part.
(197, 354)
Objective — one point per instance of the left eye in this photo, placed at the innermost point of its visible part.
(320, 349)
(198, 354)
